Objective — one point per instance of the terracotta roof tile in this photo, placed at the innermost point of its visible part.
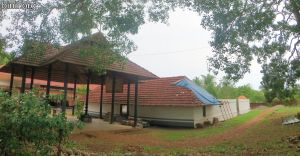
(161, 91)
(33, 59)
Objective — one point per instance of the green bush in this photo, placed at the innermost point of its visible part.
(276, 101)
(78, 107)
(290, 101)
(56, 97)
(298, 115)
(27, 126)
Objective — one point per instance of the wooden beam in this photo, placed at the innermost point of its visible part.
(136, 101)
(66, 76)
(128, 97)
(113, 99)
(87, 92)
(101, 97)
(11, 79)
(32, 77)
(48, 80)
(23, 80)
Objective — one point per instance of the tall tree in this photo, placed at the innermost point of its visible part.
(226, 88)
(62, 22)
(278, 81)
(248, 29)
(208, 82)
(253, 95)
(4, 57)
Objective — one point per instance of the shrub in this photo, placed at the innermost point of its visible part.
(78, 107)
(290, 101)
(276, 101)
(298, 115)
(28, 128)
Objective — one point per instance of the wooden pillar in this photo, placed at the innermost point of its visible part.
(48, 80)
(101, 97)
(23, 80)
(32, 77)
(66, 76)
(75, 88)
(87, 92)
(136, 100)
(74, 95)
(128, 97)
(11, 79)
(113, 99)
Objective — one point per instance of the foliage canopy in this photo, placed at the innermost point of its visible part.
(4, 57)
(266, 30)
(242, 31)
(226, 89)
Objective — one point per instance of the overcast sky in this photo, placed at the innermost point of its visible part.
(180, 48)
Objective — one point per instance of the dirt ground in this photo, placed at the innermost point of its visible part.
(131, 139)
(230, 133)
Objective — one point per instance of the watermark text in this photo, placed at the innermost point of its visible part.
(16, 5)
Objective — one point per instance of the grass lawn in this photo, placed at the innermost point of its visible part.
(267, 137)
(177, 134)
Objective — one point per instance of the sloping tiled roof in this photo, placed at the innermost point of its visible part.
(130, 67)
(160, 92)
(34, 59)
(71, 54)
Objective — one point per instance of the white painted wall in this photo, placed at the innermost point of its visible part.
(244, 105)
(211, 112)
(164, 112)
(226, 111)
(229, 109)
(95, 108)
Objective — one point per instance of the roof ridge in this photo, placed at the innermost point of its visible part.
(50, 60)
(170, 77)
(142, 68)
(68, 46)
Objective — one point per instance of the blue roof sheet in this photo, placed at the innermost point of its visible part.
(205, 97)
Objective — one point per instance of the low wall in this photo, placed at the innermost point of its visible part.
(255, 105)
(244, 105)
(167, 115)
